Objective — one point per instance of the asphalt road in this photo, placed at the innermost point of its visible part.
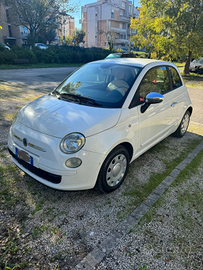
(49, 78)
(46, 78)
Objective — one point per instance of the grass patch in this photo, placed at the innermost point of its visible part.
(192, 199)
(192, 77)
(191, 168)
(179, 65)
(138, 192)
(9, 116)
(178, 212)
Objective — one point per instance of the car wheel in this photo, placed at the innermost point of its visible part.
(182, 128)
(113, 170)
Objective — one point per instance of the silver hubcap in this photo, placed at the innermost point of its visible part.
(185, 123)
(116, 170)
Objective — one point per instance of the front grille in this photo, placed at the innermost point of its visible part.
(53, 178)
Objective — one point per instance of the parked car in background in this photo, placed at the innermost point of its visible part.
(41, 45)
(5, 46)
(120, 55)
(106, 114)
(197, 66)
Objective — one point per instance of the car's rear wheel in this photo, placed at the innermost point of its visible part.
(113, 170)
(182, 128)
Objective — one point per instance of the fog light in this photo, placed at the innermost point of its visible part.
(73, 162)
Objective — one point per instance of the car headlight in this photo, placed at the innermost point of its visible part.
(72, 143)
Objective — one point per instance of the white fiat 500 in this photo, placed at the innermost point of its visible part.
(99, 119)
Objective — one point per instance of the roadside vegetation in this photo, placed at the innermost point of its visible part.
(62, 55)
(54, 56)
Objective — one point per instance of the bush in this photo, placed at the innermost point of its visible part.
(7, 57)
(25, 53)
(45, 56)
(54, 54)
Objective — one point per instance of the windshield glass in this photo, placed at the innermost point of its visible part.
(200, 60)
(113, 55)
(95, 84)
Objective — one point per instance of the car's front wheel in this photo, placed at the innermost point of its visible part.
(113, 170)
(182, 128)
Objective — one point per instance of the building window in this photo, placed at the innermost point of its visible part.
(7, 15)
(122, 36)
(112, 14)
(25, 30)
(123, 5)
(9, 30)
(130, 9)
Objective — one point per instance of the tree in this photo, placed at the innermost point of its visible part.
(171, 29)
(47, 35)
(39, 15)
(110, 37)
(68, 40)
(78, 36)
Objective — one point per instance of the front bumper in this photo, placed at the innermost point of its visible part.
(48, 166)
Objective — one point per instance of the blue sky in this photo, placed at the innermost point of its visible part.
(77, 15)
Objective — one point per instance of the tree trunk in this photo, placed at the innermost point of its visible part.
(187, 64)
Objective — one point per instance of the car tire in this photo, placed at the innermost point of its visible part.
(182, 128)
(113, 170)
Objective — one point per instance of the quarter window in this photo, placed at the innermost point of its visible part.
(175, 78)
(156, 80)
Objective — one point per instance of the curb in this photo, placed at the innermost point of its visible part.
(109, 243)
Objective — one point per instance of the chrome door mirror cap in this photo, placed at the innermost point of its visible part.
(153, 98)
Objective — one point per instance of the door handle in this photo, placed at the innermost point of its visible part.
(173, 104)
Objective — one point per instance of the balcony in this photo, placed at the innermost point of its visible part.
(134, 32)
(122, 41)
(118, 30)
(124, 19)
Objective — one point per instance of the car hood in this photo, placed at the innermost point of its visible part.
(58, 118)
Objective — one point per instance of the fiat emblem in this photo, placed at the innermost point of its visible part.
(25, 141)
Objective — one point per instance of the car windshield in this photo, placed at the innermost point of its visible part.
(113, 55)
(200, 60)
(98, 84)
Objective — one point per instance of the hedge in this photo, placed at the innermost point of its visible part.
(54, 54)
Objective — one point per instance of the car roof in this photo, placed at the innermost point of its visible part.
(141, 62)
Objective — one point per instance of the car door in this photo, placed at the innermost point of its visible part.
(177, 93)
(158, 120)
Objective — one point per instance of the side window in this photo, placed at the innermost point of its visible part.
(156, 80)
(175, 78)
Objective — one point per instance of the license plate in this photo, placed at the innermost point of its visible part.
(24, 156)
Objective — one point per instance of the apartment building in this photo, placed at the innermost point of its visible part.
(66, 26)
(9, 34)
(108, 21)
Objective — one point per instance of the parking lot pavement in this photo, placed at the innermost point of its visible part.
(36, 78)
(112, 253)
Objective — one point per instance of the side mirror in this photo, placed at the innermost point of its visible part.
(151, 98)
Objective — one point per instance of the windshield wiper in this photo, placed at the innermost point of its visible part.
(55, 92)
(80, 99)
